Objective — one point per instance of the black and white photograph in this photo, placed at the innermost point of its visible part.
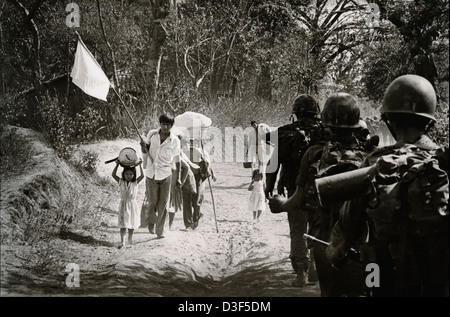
(224, 155)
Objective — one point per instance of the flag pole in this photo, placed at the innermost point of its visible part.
(126, 109)
(114, 89)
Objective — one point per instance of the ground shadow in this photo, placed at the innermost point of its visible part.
(84, 239)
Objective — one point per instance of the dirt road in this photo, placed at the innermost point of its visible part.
(227, 255)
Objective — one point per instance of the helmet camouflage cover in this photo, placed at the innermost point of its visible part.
(305, 104)
(341, 110)
(410, 94)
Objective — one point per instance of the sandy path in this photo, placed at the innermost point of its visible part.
(241, 259)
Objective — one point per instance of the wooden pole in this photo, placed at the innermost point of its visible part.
(114, 89)
(209, 183)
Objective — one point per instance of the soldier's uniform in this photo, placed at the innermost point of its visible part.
(340, 116)
(414, 260)
(290, 145)
(340, 113)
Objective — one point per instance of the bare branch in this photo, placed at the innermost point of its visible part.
(116, 81)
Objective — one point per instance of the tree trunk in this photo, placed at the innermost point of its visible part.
(160, 10)
(264, 84)
(36, 38)
(2, 76)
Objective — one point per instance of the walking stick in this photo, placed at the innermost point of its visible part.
(210, 188)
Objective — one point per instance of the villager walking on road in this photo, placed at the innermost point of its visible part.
(161, 152)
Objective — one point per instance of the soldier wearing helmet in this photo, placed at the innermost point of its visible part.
(340, 116)
(290, 143)
(413, 259)
(409, 102)
(304, 106)
(363, 134)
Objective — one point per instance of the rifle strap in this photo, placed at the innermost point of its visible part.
(402, 240)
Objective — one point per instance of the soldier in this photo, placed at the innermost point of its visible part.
(292, 142)
(406, 210)
(342, 152)
(363, 135)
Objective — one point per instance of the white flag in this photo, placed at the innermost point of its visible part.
(88, 75)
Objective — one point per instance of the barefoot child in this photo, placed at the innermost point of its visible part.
(129, 213)
(257, 198)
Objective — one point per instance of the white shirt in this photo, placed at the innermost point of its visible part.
(163, 155)
(264, 150)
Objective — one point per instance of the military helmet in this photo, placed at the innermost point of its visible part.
(410, 94)
(341, 110)
(305, 104)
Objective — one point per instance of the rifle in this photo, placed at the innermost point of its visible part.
(352, 253)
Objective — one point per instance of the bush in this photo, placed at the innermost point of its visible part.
(87, 161)
(11, 152)
(439, 132)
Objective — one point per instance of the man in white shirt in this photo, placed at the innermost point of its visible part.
(259, 152)
(161, 153)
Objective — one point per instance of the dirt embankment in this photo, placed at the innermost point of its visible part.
(227, 255)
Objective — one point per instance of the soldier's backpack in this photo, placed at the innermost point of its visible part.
(294, 139)
(292, 142)
(336, 158)
(410, 192)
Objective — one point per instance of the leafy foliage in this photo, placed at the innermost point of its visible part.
(228, 59)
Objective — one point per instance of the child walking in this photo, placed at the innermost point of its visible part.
(129, 213)
(257, 198)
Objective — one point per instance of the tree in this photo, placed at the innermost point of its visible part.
(415, 37)
(160, 10)
(334, 28)
(420, 23)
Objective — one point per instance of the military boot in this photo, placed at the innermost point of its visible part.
(300, 280)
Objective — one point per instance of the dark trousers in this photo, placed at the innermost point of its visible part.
(192, 203)
(298, 225)
(158, 197)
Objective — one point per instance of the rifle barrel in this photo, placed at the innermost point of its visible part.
(315, 239)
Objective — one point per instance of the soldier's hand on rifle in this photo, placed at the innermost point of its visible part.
(339, 257)
(276, 204)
